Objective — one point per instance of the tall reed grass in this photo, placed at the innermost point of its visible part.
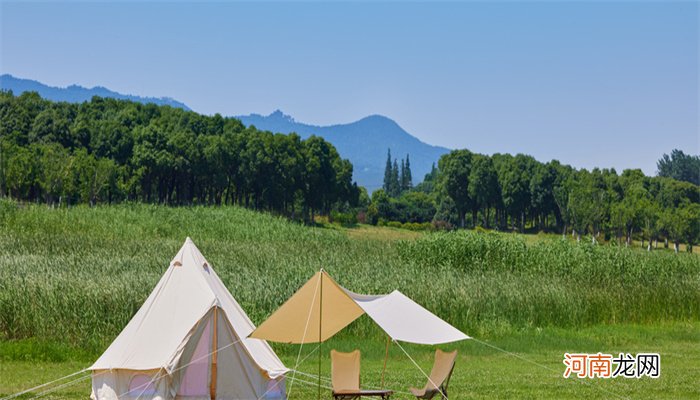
(76, 276)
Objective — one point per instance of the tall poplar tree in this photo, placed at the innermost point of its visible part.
(395, 186)
(406, 177)
(387, 173)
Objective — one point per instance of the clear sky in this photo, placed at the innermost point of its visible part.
(610, 84)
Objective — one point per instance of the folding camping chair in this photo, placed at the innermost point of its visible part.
(439, 376)
(345, 377)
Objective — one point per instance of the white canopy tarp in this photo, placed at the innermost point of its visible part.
(405, 320)
(299, 319)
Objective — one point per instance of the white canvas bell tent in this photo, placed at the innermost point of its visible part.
(189, 340)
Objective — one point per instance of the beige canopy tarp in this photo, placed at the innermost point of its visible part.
(321, 308)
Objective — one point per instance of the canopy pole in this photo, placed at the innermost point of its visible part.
(320, 323)
(386, 356)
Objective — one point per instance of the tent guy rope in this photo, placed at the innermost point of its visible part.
(12, 396)
(145, 385)
(67, 384)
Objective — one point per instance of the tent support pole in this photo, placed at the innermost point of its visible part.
(386, 356)
(320, 342)
(215, 345)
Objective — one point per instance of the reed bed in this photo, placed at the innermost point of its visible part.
(76, 276)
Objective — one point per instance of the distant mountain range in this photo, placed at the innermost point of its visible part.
(75, 93)
(364, 143)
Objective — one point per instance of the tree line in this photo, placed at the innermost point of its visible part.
(107, 150)
(519, 193)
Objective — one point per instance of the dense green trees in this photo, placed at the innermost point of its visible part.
(413, 206)
(454, 180)
(483, 187)
(525, 193)
(110, 150)
(680, 166)
(519, 193)
(514, 175)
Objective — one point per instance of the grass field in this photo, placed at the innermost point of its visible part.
(71, 279)
(481, 372)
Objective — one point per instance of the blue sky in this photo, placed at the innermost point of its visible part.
(610, 84)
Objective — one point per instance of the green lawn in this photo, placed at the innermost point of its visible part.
(481, 372)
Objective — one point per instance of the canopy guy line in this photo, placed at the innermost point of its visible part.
(309, 355)
(306, 328)
(420, 369)
(275, 386)
(280, 380)
(583, 382)
(310, 375)
(366, 385)
(311, 383)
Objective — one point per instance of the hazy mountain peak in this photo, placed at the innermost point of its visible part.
(378, 118)
(377, 121)
(363, 142)
(76, 93)
(279, 115)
